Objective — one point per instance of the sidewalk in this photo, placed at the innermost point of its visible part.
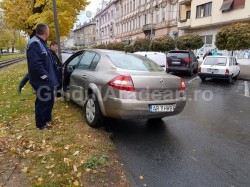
(244, 69)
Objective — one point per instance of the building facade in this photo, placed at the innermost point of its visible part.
(105, 23)
(207, 17)
(85, 35)
(146, 18)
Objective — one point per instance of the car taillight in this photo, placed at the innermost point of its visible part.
(199, 70)
(122, 82)
(187, 60)
(227, 71)
(182, 87)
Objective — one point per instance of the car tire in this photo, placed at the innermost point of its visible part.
(191, 73)
(203, 79)
(92, 112)
(230, 79)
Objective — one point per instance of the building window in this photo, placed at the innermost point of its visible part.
(163, 14)
(207, 39)
(188, 14)
(133, 5)
(204, 10)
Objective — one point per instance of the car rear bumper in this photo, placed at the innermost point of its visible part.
(178, 69)
(135, 109)
(211, 75)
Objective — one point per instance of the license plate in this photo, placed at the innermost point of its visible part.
(176, 62)
(212, 70)
(162, 108)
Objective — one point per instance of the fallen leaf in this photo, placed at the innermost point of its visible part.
(76, 183)
(75, 168)
(76, 153)
(40, 179)
(141, 177)
(19, 137)
(25, 169)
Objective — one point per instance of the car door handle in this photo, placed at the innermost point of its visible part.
(85, 77)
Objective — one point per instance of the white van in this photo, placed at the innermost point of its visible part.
(157, 57)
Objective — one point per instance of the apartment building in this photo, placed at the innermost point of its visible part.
(206, 17)
(145, 18)
(105, 23)
(85, 35)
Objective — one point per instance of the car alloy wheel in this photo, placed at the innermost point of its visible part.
(92, 112)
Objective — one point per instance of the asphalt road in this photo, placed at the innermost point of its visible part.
(208, 144)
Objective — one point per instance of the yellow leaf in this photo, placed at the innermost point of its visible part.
(40, 179)
(19, 137)
(25, 169)
(75, 168)
(76, 183)
(141, 177)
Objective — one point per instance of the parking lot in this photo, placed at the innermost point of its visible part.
(206, 145)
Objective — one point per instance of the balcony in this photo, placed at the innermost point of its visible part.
(185, 2)
(184, 24)
(147, 29)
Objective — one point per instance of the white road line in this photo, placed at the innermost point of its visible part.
(246, 89)
(193, 79)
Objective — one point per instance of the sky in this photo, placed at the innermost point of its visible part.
(92, 7)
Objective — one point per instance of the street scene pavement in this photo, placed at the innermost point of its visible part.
(206, 145)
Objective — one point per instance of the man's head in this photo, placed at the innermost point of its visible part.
(42, 30)
(53, 46)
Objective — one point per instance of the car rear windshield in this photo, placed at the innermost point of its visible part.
(219, 61)
(133, 62)
(181, 55)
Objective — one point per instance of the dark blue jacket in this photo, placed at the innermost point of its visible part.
(41, 66)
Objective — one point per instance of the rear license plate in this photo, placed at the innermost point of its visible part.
(176, 62)
(162, 108)
(212, 70)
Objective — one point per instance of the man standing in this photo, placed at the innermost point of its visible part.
(42, 75)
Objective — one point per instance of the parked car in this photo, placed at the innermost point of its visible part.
(157, 57)
(219, 67)
(182, 61)
(121, 85)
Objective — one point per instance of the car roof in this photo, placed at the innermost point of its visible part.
(220, 56)
(179, 51)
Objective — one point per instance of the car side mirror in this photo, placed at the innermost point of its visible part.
(236, 64)
(197, 57)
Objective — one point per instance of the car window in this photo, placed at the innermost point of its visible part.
(178, 55)
(95, 62)
(75, 60)
(235, 60)
(219, 61)
(230, 61)
(133, 62)
(86, 60)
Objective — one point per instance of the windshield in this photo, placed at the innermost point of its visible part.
(133, 62)
(219, 61)
(178, 55)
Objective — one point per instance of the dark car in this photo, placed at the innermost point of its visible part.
(182, 61)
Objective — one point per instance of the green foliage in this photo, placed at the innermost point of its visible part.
(129, 49)
(141, 44)
(115, 46)
(189, 42)
(234, 37)
(95, 161)
(164, 43)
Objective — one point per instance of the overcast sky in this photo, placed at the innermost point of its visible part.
(92, 7)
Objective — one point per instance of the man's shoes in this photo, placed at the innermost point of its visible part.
(19, 90)
(45, 127)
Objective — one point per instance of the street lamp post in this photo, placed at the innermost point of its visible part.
(57, 30)
(156, 8)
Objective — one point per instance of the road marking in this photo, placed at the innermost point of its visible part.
(246, 89)
(193, 79)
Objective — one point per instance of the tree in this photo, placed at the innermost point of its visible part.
(163, 44)
(5, 38)
(141, 44)
(25, 14)
(129, 48)
(234, 37)
(21, 43)
(189, 42)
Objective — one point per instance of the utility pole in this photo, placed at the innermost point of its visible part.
(57, 30)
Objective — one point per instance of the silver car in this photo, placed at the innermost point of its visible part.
(121, 85)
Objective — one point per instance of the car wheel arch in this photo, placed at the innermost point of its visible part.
(93, 89)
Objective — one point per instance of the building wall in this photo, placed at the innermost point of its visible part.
(85, 35)
(105, 24)
(134, 15)
(210, 25)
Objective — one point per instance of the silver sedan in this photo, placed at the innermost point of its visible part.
(121, 85)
